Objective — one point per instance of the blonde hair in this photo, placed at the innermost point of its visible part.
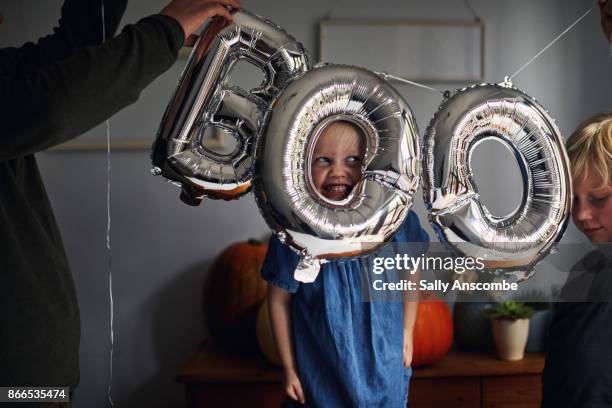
(346, 134)
(591, 145)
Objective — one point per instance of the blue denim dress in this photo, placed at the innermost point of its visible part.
(348, 353)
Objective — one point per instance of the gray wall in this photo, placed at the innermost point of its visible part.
(163, 248)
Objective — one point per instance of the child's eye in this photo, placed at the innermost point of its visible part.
(599, 200)
(321, 160)
(353, 159)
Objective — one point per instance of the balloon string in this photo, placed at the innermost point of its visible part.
(110, 269)
(550, 44)
(331, 10)
(469, 5)
(407, 81)
(108, 237)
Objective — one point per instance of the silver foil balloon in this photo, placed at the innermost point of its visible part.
(315, 227)
(512, 244)
(203, 101)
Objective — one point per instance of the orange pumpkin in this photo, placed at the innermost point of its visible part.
(433, 330)
(233, 293)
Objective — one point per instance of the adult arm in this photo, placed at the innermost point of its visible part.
(67, 98)
(63, 100)
(280, 317)
(79, 26)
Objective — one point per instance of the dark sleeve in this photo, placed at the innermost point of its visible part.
(279, 266)
(69, 97)
(80, 25)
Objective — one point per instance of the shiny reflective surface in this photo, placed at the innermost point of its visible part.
(203, 100)
(512, 244)
(315, 227)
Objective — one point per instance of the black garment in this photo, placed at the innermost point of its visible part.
(578, 369)
(51, 92)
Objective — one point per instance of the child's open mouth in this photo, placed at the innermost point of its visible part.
(336, 192)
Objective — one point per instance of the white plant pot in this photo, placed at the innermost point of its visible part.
(510, 338)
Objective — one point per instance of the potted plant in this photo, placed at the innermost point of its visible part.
(510, 328)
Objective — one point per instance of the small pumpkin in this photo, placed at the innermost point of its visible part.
(433, 331)
(233, 293)
(265, 337)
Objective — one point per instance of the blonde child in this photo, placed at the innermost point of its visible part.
(578, 370)
(338, 351)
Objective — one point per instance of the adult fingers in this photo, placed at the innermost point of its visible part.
(235, 4)
(191, 40)
(222, 12)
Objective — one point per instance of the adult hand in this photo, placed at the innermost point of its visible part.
(605, 6)
(407, 348)
(293, 386)
(191, 14)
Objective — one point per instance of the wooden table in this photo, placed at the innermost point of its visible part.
(462, 379)
(478, 379)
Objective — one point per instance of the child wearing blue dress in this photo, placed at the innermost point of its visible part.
(337, 350)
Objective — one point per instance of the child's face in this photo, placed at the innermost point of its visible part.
(337, 160)
(592, 207)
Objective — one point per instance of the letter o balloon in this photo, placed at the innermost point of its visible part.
(516, 242)
(315, 227)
